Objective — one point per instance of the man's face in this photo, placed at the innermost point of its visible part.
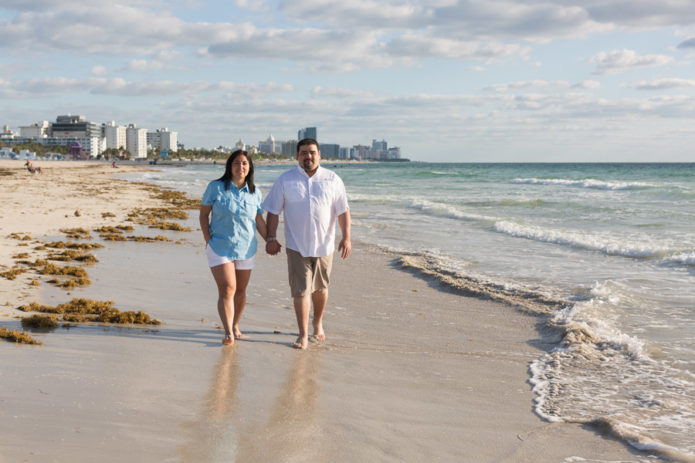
(308, 157)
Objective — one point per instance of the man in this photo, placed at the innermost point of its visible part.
(312, 198)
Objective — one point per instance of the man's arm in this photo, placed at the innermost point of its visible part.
(272, 246)
(345, 246)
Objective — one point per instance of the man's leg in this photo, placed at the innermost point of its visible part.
(319, 299)
(302, 307)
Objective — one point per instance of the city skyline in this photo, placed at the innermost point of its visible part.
(446, 80)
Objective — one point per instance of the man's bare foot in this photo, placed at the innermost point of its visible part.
(228, 340)
(319, 335)
(301, 343)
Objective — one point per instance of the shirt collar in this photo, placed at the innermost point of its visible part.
(303, 172)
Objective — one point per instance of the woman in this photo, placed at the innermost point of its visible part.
(230, 237)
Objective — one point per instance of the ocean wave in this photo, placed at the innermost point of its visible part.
(586, 183)
(601, 376)
(447, 210)
(636, 247)
(683, 258)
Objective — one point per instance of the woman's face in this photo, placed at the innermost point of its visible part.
(240, 168)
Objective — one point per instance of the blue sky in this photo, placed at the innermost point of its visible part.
(446, 80)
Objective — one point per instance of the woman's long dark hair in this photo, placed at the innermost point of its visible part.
(227, 177)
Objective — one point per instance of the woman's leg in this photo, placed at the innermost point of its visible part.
(242, 281)
(225, 278)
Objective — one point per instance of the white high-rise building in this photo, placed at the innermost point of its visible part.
(38, 130)
(115, 135)
(163, 139)
(136, 141)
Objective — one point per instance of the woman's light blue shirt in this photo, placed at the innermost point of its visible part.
(233, 223)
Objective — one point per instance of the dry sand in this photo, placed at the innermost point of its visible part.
(410, 372)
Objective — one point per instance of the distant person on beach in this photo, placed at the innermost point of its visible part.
(30, 167)
(230, 237)
(113, 164)
(312, 198)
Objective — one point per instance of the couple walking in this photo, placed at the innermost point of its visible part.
(312, 199)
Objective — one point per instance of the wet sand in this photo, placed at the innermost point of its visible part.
(409, 372)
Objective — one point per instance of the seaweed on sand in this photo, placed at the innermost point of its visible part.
(18, 337)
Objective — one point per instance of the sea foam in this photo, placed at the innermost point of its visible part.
(586, 183)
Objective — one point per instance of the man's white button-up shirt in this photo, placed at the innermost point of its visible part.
(311, 206)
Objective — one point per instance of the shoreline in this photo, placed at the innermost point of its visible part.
(410, 371)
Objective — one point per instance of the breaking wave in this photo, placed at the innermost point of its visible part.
(586, 183)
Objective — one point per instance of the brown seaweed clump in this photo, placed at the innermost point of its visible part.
(40, 322)
(77, 233)
(18, 337)
(105, 215)
(12, 273)
(18, 236)
(71, 245)
(81, 310)
(73, 255)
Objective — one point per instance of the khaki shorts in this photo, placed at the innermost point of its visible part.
(308, 274)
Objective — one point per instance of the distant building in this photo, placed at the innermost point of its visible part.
(360, 152)
(38, 130)
(68, 130)
(379, 149)
(393, 153)
(7, 134)
(163, 139)
(329, 150)
(307, 132)
(136, 141)
(115, 135)
(344, 152)
(267, 146)
(240, 146)
(289, 148)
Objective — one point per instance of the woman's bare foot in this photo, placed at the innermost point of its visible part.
(301, 343)
(228, 340)
(238, 334)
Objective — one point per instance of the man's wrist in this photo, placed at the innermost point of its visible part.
(270, 238)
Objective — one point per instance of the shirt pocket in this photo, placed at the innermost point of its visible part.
(296, 193)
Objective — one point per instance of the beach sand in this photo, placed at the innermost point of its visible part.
(410, 372)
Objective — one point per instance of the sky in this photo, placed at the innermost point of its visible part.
(444, 80)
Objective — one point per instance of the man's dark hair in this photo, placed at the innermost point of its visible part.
(307, 141)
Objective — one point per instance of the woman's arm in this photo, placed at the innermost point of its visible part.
(205, 222)
(261, 226)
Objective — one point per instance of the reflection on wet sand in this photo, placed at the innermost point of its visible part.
(213, 437)
(291, 432)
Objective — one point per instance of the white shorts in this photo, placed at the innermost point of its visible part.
(214, 260)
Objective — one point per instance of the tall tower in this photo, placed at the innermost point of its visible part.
(307, 132)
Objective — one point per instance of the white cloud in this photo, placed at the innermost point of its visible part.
(527, 84)
(663, 84)
(587, 84)
(98, 70)
(618, 61)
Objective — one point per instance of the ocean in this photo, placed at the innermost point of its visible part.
(603, 254)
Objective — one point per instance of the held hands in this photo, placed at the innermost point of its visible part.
(272, 247)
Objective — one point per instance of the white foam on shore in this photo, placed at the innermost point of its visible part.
(602, 376)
